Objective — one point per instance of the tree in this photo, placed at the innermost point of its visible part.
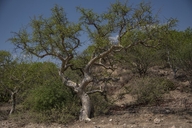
(59, 38)
(182, 55)
(5, 61)
(13, 77)
(7, 64)
(140, 59)
(170, 46)
(176, 48)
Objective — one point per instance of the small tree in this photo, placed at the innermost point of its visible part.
(183, 55)
(5, 60)
(59, 38)
(13, 77)
(140, 59)
(168, 50)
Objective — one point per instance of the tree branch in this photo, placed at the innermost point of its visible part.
(68, 82)
(101, 55)
(94, 91)
(103, 65)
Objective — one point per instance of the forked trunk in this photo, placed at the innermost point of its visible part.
(80, 90)
(86, 107)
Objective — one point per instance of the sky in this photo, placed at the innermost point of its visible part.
(15, 14)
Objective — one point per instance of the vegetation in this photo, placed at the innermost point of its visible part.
(150, 90)
(139, 59)
(182, 55)
(47, 89)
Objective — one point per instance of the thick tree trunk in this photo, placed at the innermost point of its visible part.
(86, 107)
(84, 98)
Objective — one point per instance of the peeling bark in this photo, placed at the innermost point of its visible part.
(86, 107)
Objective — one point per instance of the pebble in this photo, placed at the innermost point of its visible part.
(156, 121)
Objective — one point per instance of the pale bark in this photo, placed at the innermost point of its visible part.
(13, 93)
(172, 65)
(86, 107)
(13, 102)
(84, 97)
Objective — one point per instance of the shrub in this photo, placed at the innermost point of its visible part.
(65, 114)
(52, 103)
(140, 59)
(100, 104)
(46, 97)
(4, 96)
(184, 60)
(150, 90)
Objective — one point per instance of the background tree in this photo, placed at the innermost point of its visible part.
(170, 45)
(140, 59)
(175, 51)
(182, 55)
(59, 38)
(14, 76)
(5, 62)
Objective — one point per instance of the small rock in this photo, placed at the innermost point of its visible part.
(167, 111)
(122, 106)
(156, 121)
(173, 126)
(133, 126)
(124, 125)
(110, 120)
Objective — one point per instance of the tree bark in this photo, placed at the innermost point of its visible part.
(13, 94)
(13, 99)
(86, 106)
(84, 97)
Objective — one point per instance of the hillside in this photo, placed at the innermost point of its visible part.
(173, 111)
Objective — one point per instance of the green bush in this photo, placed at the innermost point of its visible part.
(140, 59)
(150, 90)
(4, 96)
(47, 97)
(65, 114)
(100, 104)
(184, 60)
(52, 103)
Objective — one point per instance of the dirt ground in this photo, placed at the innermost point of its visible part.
(120, 120)
(174, 112)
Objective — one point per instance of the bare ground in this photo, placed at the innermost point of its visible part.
(176, 112)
